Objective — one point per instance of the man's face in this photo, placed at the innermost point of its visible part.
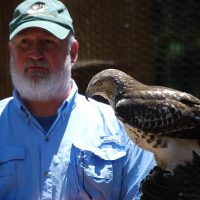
(39, 61)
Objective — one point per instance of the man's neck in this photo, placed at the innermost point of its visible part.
(46, 108)
(43, 108)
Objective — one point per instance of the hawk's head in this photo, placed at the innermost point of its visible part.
(109, 84)
(102, 84)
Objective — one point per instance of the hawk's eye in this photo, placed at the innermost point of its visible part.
(98, 84)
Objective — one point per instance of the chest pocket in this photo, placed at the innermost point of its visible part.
(96, 168)
(10, 159)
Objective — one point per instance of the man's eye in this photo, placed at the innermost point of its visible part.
(24, 42)
(49, 41)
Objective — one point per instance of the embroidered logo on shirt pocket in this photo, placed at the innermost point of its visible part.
(96, 168)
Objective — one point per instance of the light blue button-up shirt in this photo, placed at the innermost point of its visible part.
(84, 155)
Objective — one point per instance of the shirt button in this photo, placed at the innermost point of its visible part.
(46, 173)
(46, 139)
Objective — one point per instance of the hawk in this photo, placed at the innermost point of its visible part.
(161, 120)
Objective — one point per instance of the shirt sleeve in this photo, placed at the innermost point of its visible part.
(137, 166)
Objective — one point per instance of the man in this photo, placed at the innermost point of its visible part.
(54, 144)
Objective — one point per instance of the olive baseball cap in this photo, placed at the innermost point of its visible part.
(51, 15)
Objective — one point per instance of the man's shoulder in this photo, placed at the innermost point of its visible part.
(102, 119)
(94, 105)
(4, 103)
(99, 112)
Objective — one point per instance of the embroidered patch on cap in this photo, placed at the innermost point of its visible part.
(37, 8)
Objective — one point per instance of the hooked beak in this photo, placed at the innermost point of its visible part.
(87, 94)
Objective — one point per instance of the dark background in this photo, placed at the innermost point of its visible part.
(155, 41)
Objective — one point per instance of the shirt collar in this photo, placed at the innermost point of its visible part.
(21, 106)
(70, 102)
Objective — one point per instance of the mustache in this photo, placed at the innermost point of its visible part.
(32, 63)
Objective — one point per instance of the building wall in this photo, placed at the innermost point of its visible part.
(6, 9)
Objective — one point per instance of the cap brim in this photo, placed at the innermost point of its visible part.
(57, 30)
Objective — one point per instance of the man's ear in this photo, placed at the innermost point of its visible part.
(74, 52)
(10, 46)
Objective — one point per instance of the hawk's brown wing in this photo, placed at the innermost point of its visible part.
(164, 117)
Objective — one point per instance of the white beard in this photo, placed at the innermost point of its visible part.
(54, 86)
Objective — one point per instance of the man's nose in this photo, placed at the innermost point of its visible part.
(36, 51)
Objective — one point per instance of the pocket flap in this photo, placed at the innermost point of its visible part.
(107, 153)
(11, 153)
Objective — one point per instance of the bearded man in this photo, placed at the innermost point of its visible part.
(54, 144)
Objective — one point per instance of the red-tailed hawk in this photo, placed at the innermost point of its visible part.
(159, 119)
